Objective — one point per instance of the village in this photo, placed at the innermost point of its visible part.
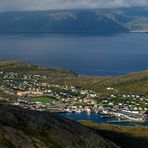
(36, 93)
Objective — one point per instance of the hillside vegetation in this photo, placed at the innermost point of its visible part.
(124, 136)
(23, 67)
(133, 83)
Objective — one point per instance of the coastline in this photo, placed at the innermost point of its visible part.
(95, 118)
(125, 121)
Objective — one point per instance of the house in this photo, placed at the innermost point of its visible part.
(113, 96)
(89, 101)
(25, 93)
(83, 92)
(93, 95)
(135, 112)
(110, 88)
(111, 104)
(22, 93)
(36, 93)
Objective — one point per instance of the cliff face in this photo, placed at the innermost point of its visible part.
(33, 129)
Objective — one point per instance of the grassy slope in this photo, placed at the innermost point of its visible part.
(23, 67)
(43, 99)
(131, 83)
(126, 137)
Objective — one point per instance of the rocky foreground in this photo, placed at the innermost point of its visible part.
(34, 129)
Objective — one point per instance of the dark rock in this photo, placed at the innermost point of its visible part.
(34, 129)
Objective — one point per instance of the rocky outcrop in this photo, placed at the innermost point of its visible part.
(34, 129)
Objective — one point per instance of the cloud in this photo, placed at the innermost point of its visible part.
(8, 5)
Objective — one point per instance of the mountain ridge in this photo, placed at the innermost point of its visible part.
(67, 22)
(85, 21)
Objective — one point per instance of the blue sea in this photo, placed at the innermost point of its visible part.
(84, 54)
(96, 118)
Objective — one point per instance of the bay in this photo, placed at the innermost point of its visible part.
(86, 55)
(96, 118)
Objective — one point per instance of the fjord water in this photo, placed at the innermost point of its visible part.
(86, 55)
(96, 118)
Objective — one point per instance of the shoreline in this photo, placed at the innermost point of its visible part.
(126, 121)
(107, 122)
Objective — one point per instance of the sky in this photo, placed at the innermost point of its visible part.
(10, 5)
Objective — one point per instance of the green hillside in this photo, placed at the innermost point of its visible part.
(23, 67)
(124, 136)
(133, 83)
(136, 83)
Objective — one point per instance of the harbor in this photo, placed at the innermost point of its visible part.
(103, 119)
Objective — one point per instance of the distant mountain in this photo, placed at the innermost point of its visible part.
(34, 129)
(66, 21)
(101, 21)
(134, 19)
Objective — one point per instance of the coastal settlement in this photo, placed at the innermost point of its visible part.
(33, 91)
